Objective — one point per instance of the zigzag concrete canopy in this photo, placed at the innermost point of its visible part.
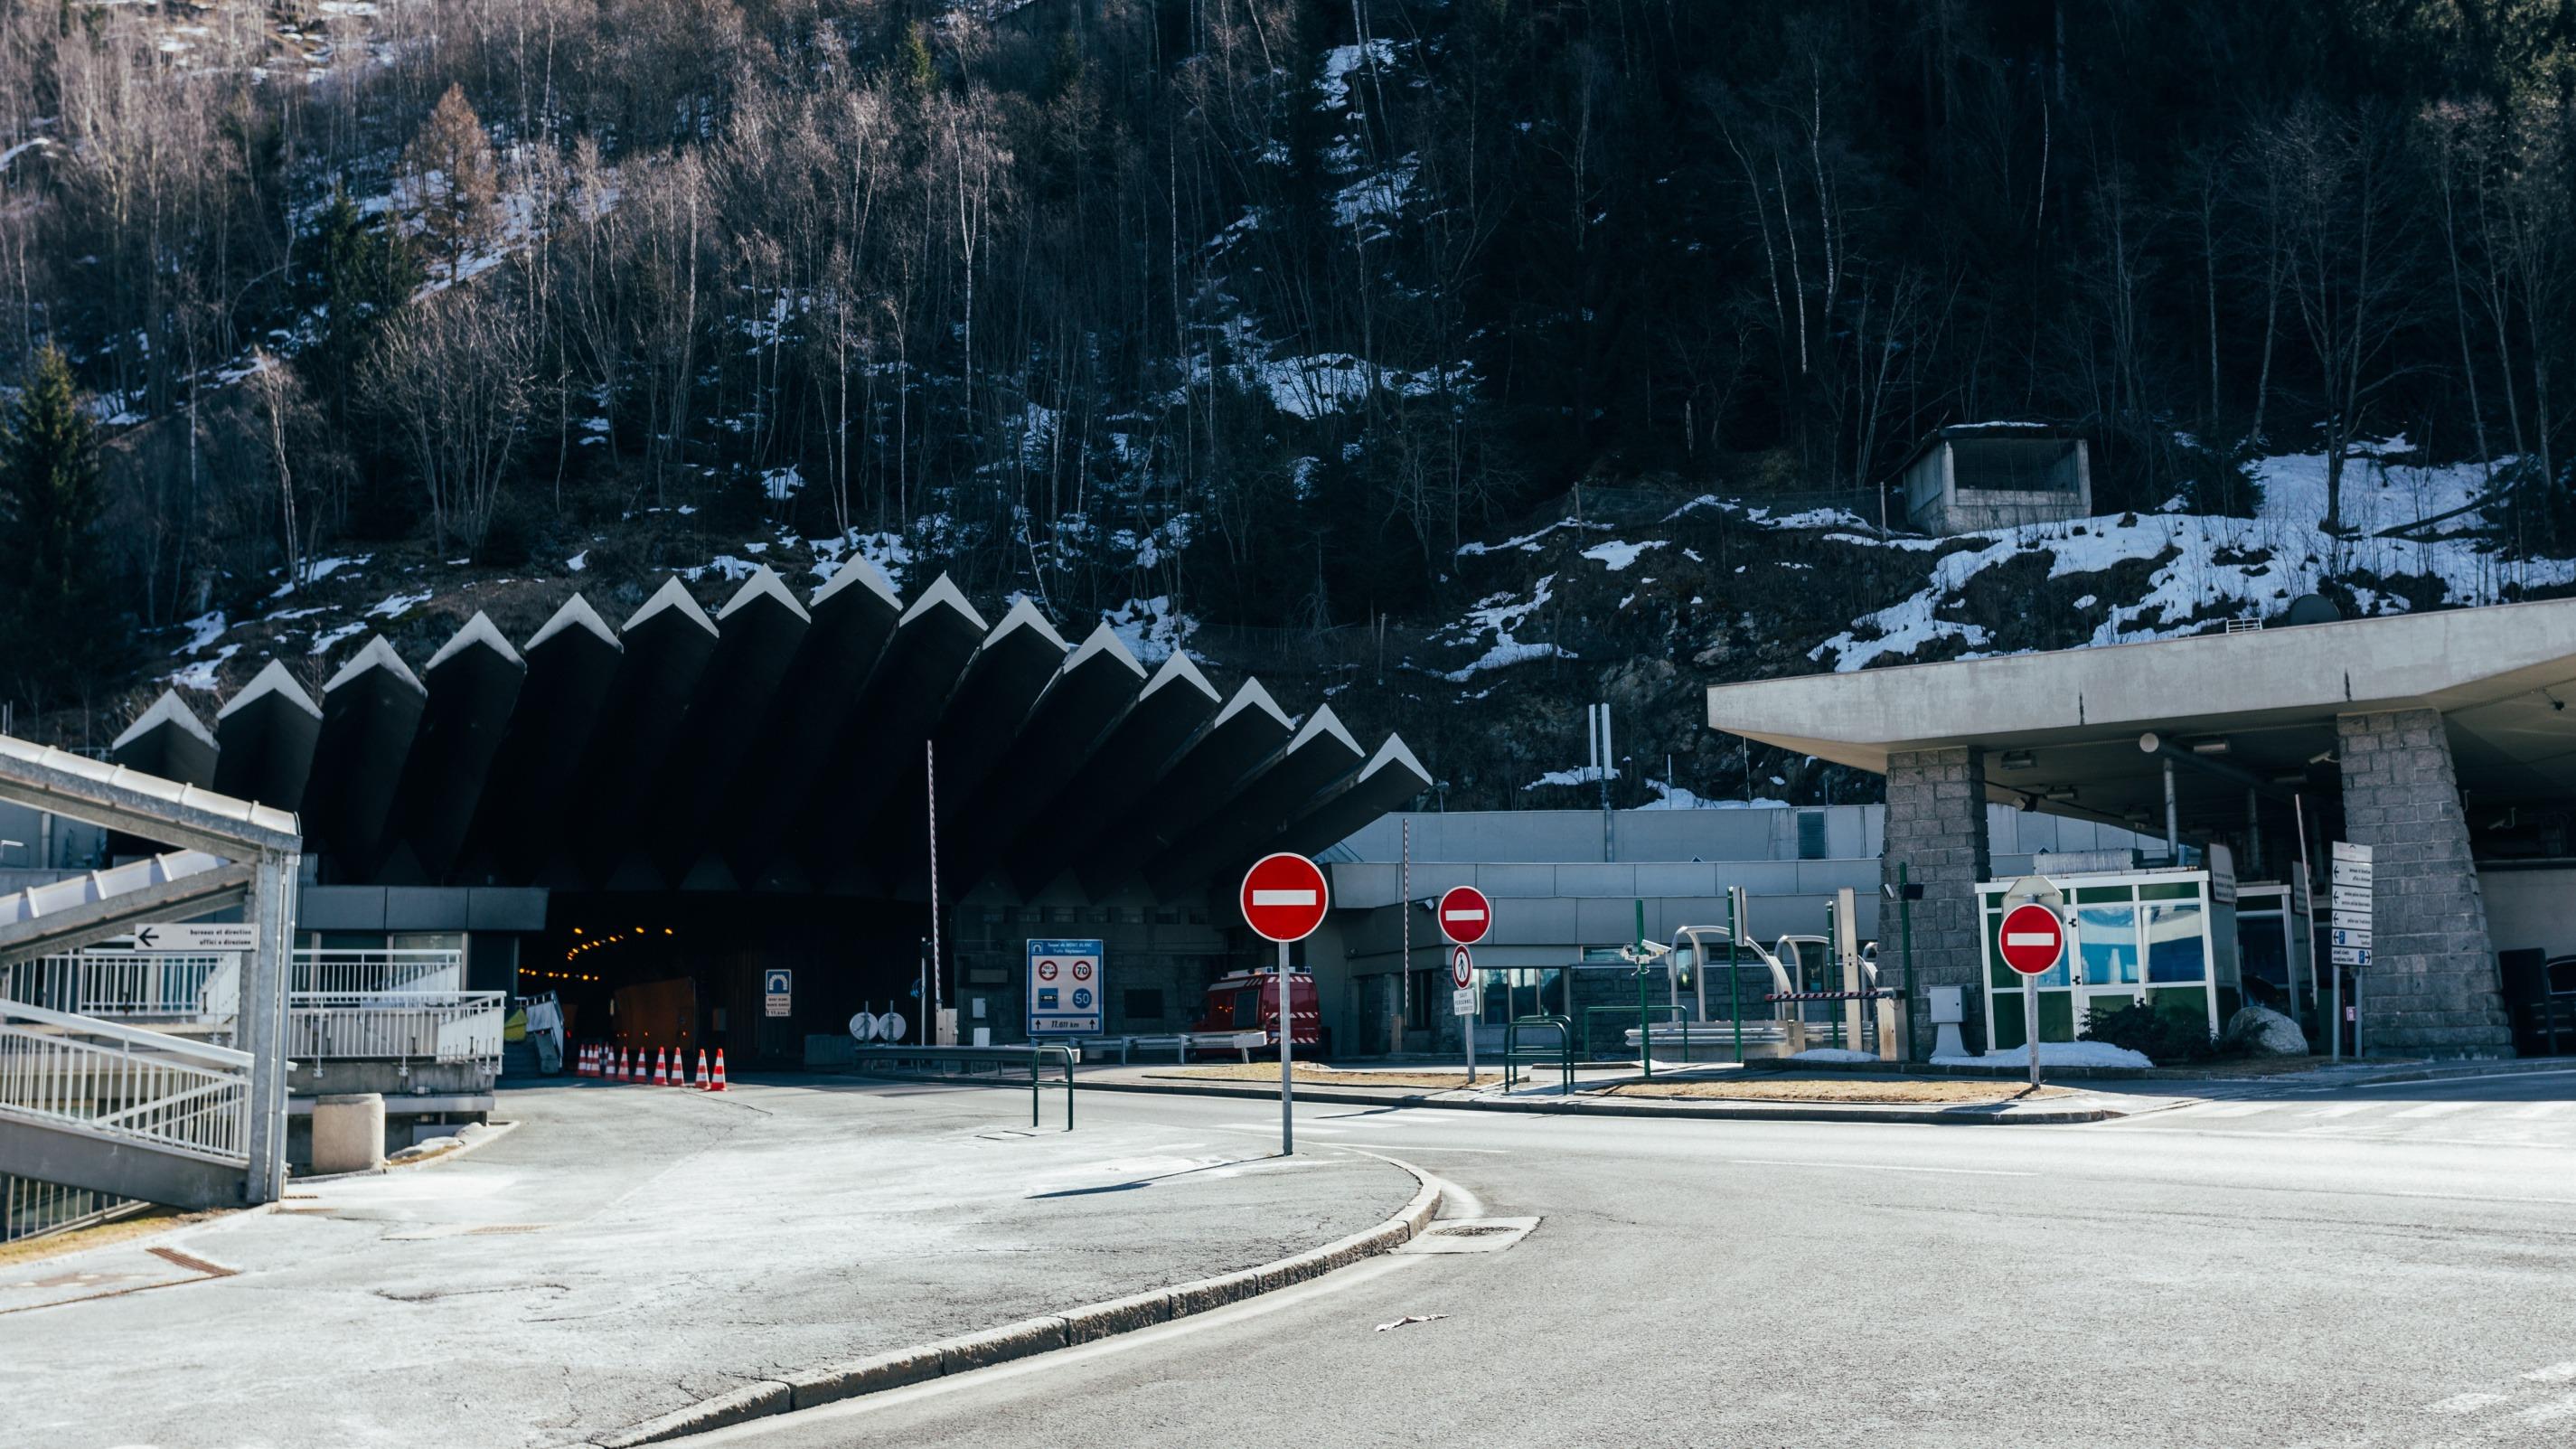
(785, 747)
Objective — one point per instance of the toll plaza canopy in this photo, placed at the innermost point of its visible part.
(781, 746)
(2063, 732)
(2440, 741)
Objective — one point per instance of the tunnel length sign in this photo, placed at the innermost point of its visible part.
(1065, 996)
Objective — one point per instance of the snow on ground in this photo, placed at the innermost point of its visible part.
(1150, 628)
(395, 605)
(1327, 382)
(1669, 796)
(323, 642)
(2054, 1054)
(1499, 615)
(888, 551)
(733, 570)
(316, 570)
(202, 630)
(577, 562)
(1833, 1054)
(1616, 556)
(1528, 542)
(1340, 61)
(2211, 565)
(1579, 775)
(201, 675)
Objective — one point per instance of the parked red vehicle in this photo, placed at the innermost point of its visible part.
(1249, 1001)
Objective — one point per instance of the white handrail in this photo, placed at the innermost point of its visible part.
(131, 1086)
(136, 1036)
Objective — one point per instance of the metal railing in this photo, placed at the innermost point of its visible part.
(33, 1209)
(124, 1083)
(128, 984)
(330, 969)
(401, 1026)
(1033, 1054)
(1562, 1053)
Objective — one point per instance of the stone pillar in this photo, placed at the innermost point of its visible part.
(2431, 986)
(1936, 826)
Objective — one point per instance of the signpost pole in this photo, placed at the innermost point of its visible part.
(2030, 1024)
(1287, 1035)
(1734, 986)
(1467, 1023)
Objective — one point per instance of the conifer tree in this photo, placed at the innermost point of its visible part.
(56, 625)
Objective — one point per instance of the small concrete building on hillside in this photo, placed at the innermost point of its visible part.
(1971, 477)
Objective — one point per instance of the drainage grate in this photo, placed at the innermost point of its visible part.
(495, 1229)
(1480, 1230)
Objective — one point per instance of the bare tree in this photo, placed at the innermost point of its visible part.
(452, 377)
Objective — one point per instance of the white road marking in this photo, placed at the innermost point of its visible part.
(2436, 1109)
(2342, 1109)
(2557, 1373)
(1873, 1167)
(2538, 1110)
(1426, 1147)
(2244, 1109)
(2551, 1412)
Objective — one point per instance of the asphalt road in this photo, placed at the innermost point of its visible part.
(626, 1252)
(2390, 1266)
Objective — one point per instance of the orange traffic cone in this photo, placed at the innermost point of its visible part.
(661, 1078)
(625, 1066)
(590, 1059)
(702, 1069)
(718, 1084)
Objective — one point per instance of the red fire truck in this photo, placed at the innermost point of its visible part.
(1249, 1001)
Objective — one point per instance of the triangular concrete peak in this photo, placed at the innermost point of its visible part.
(944, 593)
(858, 572)
(763, 584)
(273, 678)
(376, 655)
(1252, 696)
(672, 595)
(1179, 669)
(1325, 724)
(169, 709)
(1104, 640)
(1026, 615)
(478, 630)
(577, 613)
(1393, 753)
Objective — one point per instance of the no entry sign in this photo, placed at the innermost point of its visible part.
(1284, 897)
(1465, 915)
(2033, 939)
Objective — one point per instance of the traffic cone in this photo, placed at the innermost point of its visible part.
(718, 1084)
(590, 1059)
(702, 1069)
(661, 1078)
(625, 1066)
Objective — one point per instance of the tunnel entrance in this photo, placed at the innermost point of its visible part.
(687, 971)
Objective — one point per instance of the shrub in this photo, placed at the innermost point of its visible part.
(2163, 1037)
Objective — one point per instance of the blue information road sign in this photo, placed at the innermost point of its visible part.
(1064, 987)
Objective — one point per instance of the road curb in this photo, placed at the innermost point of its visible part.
(1632, 1107)
(831, 1383)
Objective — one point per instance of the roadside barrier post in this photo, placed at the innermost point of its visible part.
(1735, 984)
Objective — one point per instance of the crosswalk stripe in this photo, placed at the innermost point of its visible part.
(2436, 1109)
(2538, 1110)
(2247, 1109)
(2344, 1109)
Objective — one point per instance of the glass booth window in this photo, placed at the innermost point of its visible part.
(2175, 950)
(2107, 937)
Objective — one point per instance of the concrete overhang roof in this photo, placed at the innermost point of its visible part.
(2497, 675)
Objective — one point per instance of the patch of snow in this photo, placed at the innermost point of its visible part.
(781, 484)
(732, 570)
(1669, 796)
(2054, 1054)
(1340, 61)
(1499, 615)
(1150, 628)
(1327, 382)
(2206, 566)
(201, 675)
(394, 606)
(1528, 542)
(1616, 556)
(322, 643)
(577, 562)
(1833, 1054)
(1579, 775)
(202, 630)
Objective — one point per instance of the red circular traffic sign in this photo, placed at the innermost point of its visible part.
(1284, 897)
(2033, 939)
(1465, 915)
(1461, 966)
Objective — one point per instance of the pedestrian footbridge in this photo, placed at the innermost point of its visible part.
(162, 1081)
